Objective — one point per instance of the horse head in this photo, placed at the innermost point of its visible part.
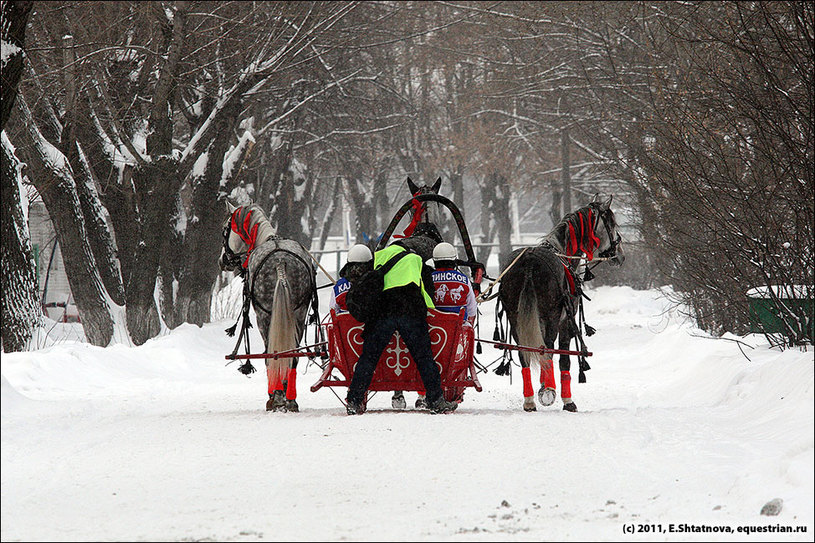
(421, 235)
(420, 213)
(606, 230)
(245, 228)
(416, 190)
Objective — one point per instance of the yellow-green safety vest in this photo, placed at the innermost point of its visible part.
(407, 270)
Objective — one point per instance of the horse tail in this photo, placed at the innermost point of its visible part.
(282, 328)
(528, 329)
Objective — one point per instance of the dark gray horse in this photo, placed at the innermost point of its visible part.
(281, 285)
(540, 293)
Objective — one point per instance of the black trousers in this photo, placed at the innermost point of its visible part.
(377, 334)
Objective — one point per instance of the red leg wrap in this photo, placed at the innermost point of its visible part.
(269, 380)
(565, 384)
(527, 375)
(291, 391)
(276, 381)
(548, 375)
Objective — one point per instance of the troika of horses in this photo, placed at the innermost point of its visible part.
(539, 290)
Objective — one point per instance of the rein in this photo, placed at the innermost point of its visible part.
(598, 259)
(486, 296)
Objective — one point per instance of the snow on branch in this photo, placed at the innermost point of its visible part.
(52, 158)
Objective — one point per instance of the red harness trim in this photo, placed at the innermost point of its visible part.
(418, 211)
(249, 237)
(570, 279)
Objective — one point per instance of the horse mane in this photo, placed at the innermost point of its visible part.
(265, 228)
(558, 233)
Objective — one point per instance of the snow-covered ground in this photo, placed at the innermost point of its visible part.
(166, 442)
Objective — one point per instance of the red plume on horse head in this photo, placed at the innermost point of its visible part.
(419, 208)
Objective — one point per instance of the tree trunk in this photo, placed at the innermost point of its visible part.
(52, 176)
(157, 185)
(328, 218)
(365, 226)
(203, 241)
(276, 162)
(15, 18)
(21, 310)
(486, 219)
(382, 213)
(503, 220)
(170, 262)
(99, 237)
(117, 198)
(291, 206)
(21, 305)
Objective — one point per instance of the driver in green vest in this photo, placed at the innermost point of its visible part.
(406, 298)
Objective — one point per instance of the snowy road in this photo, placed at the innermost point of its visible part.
(165, 442)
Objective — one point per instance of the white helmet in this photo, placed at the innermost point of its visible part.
(444, 251)
(359, 253)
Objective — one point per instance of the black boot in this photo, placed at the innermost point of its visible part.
(353, 407)
(441, 405)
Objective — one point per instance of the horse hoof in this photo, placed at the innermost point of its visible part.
(529, 404)
(276, 401)
(546, 396)
(571, 406)
(398, 401)
(291, 405)
(421, 403)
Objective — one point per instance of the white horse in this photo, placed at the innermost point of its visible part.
(281, 285)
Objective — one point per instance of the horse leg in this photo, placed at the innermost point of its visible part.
(291, 388)
(565, 365)
(547, 392)
(275, 401)
(398, 400)
(421, 400)
(529, 391)
(277, 398)
(281, 337)
(526, 330)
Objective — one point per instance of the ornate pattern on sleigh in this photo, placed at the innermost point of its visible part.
(452, 342)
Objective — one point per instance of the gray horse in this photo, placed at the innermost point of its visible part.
(540, 293)
(281, 285)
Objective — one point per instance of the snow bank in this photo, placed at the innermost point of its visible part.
(165, 441)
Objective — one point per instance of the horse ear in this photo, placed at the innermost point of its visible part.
(412, 186)
(230, 208)
(607, 203)
(437, 185)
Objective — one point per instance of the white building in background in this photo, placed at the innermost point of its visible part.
(55, 292)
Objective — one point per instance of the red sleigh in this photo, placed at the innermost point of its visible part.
(452, 342)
